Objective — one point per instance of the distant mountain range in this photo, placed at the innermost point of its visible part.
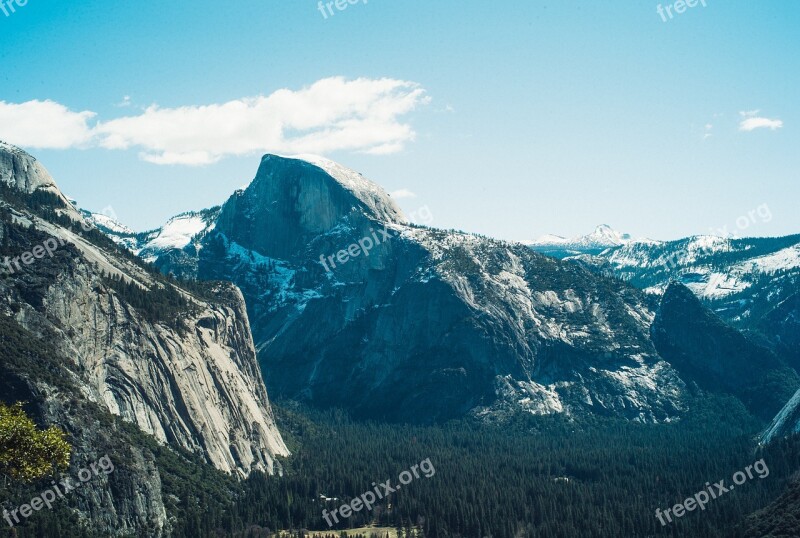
(603, 238)
(752, 283)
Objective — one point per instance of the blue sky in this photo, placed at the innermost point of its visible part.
(510, 119)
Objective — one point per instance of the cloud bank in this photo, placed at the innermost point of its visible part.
(333, 114)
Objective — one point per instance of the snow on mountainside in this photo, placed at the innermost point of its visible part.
(108, 223)
(783, 260)
(729, 272)
(449, 323)
(176, 234)
(603, 238)
(747, 282)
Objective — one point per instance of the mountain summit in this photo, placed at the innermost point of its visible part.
(24, 173)
(292, 201)
(447, 323)
(601, 239)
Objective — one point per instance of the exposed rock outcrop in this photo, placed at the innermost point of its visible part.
(179, 364)
(718, 358)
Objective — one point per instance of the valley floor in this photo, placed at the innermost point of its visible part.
(537, 477)
(365, 532)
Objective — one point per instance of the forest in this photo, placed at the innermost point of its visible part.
(531, 476)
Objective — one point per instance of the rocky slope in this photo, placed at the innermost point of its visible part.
(179, 365)
(784, 322)
(25, 174)
(718, 358)
(785, 423)
(353, 307)
(742, 280)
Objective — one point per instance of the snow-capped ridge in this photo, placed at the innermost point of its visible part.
(178, 232)
(603, 237)
(606, 234)
(106, 223)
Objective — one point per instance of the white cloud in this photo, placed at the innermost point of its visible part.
(402, 193)
(753, 123)
(44, 125)
(333, 114)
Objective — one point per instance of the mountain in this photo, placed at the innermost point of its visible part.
(783, 324)
(751, 283)
(178, 363)
(716, 357)
(353, 307)
(603, 238)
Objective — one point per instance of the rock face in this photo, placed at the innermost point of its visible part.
(303, 204)
(419, 324)
(118, 504)
(785, 423)
(178, 364)
(718, 358)
(23, 172)
(199, 388)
